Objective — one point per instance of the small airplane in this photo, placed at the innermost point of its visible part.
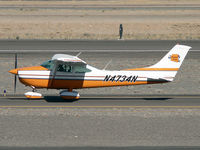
(70, 72)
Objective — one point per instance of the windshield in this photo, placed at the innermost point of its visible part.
(48, 64)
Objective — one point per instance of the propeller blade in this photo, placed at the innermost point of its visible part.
(15, 60)
(15, 81)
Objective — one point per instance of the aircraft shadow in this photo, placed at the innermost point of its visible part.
(133, 99)
(58, 99)
(55, 99)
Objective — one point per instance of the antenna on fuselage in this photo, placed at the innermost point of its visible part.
(107, 64)
(78, 54)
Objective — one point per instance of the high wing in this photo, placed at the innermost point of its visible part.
(67, 59)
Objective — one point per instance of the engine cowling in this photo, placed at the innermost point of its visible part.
(69, 95)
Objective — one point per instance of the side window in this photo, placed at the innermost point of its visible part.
(81, 69)
(64, 68)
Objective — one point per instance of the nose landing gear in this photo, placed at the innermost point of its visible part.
(33, 94)
(66, 94)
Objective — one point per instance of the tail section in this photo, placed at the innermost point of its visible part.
(171, 62)
(174, 58)
(166, 69)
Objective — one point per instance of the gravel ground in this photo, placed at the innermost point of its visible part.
(100, 19)
(99, 127)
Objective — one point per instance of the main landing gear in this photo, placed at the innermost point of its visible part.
(69, 94)
(66, 94)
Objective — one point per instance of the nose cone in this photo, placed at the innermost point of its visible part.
(14, 71)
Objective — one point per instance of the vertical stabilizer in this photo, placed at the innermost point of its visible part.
(174, 58)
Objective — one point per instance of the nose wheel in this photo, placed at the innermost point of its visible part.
(33, 94)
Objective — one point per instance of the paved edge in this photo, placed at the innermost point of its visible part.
(103, 148)
(112, 96)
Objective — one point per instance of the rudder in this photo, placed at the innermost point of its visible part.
(174, 58)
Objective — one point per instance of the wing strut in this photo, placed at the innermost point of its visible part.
(53, 73)
(107, 64)
(78, 54)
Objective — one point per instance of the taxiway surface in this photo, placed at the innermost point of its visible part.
(100, 123)
(103, 101)
(124, 54)
(104, 121)
(82, 45)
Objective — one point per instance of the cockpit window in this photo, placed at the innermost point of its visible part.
(64, 68)
(48, 64)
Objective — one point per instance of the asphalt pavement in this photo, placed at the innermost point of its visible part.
(105, 148)
(103, 121)
(103, 101)
(81, 45)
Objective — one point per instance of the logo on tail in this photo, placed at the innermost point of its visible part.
(174, 57)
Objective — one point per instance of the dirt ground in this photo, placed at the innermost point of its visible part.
(97, 2)
(141, 19)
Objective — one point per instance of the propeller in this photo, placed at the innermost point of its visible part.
(15, 81)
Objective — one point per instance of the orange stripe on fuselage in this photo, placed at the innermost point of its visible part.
(154, 69)
(39, 68)
(76, 84)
